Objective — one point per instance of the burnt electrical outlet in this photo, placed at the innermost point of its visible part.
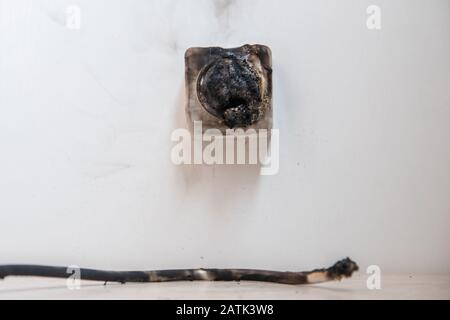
(229, 88)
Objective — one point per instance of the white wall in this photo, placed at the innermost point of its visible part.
(85, 170)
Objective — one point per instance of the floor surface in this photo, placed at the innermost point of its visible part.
(392, 287)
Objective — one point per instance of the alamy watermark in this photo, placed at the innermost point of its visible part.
(73, 282)
(373, 21)
(236, 146)
(373, 281)
(73, 17)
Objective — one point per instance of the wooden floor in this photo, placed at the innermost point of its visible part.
(392, 287)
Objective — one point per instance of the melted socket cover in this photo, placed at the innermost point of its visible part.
(229, 88)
